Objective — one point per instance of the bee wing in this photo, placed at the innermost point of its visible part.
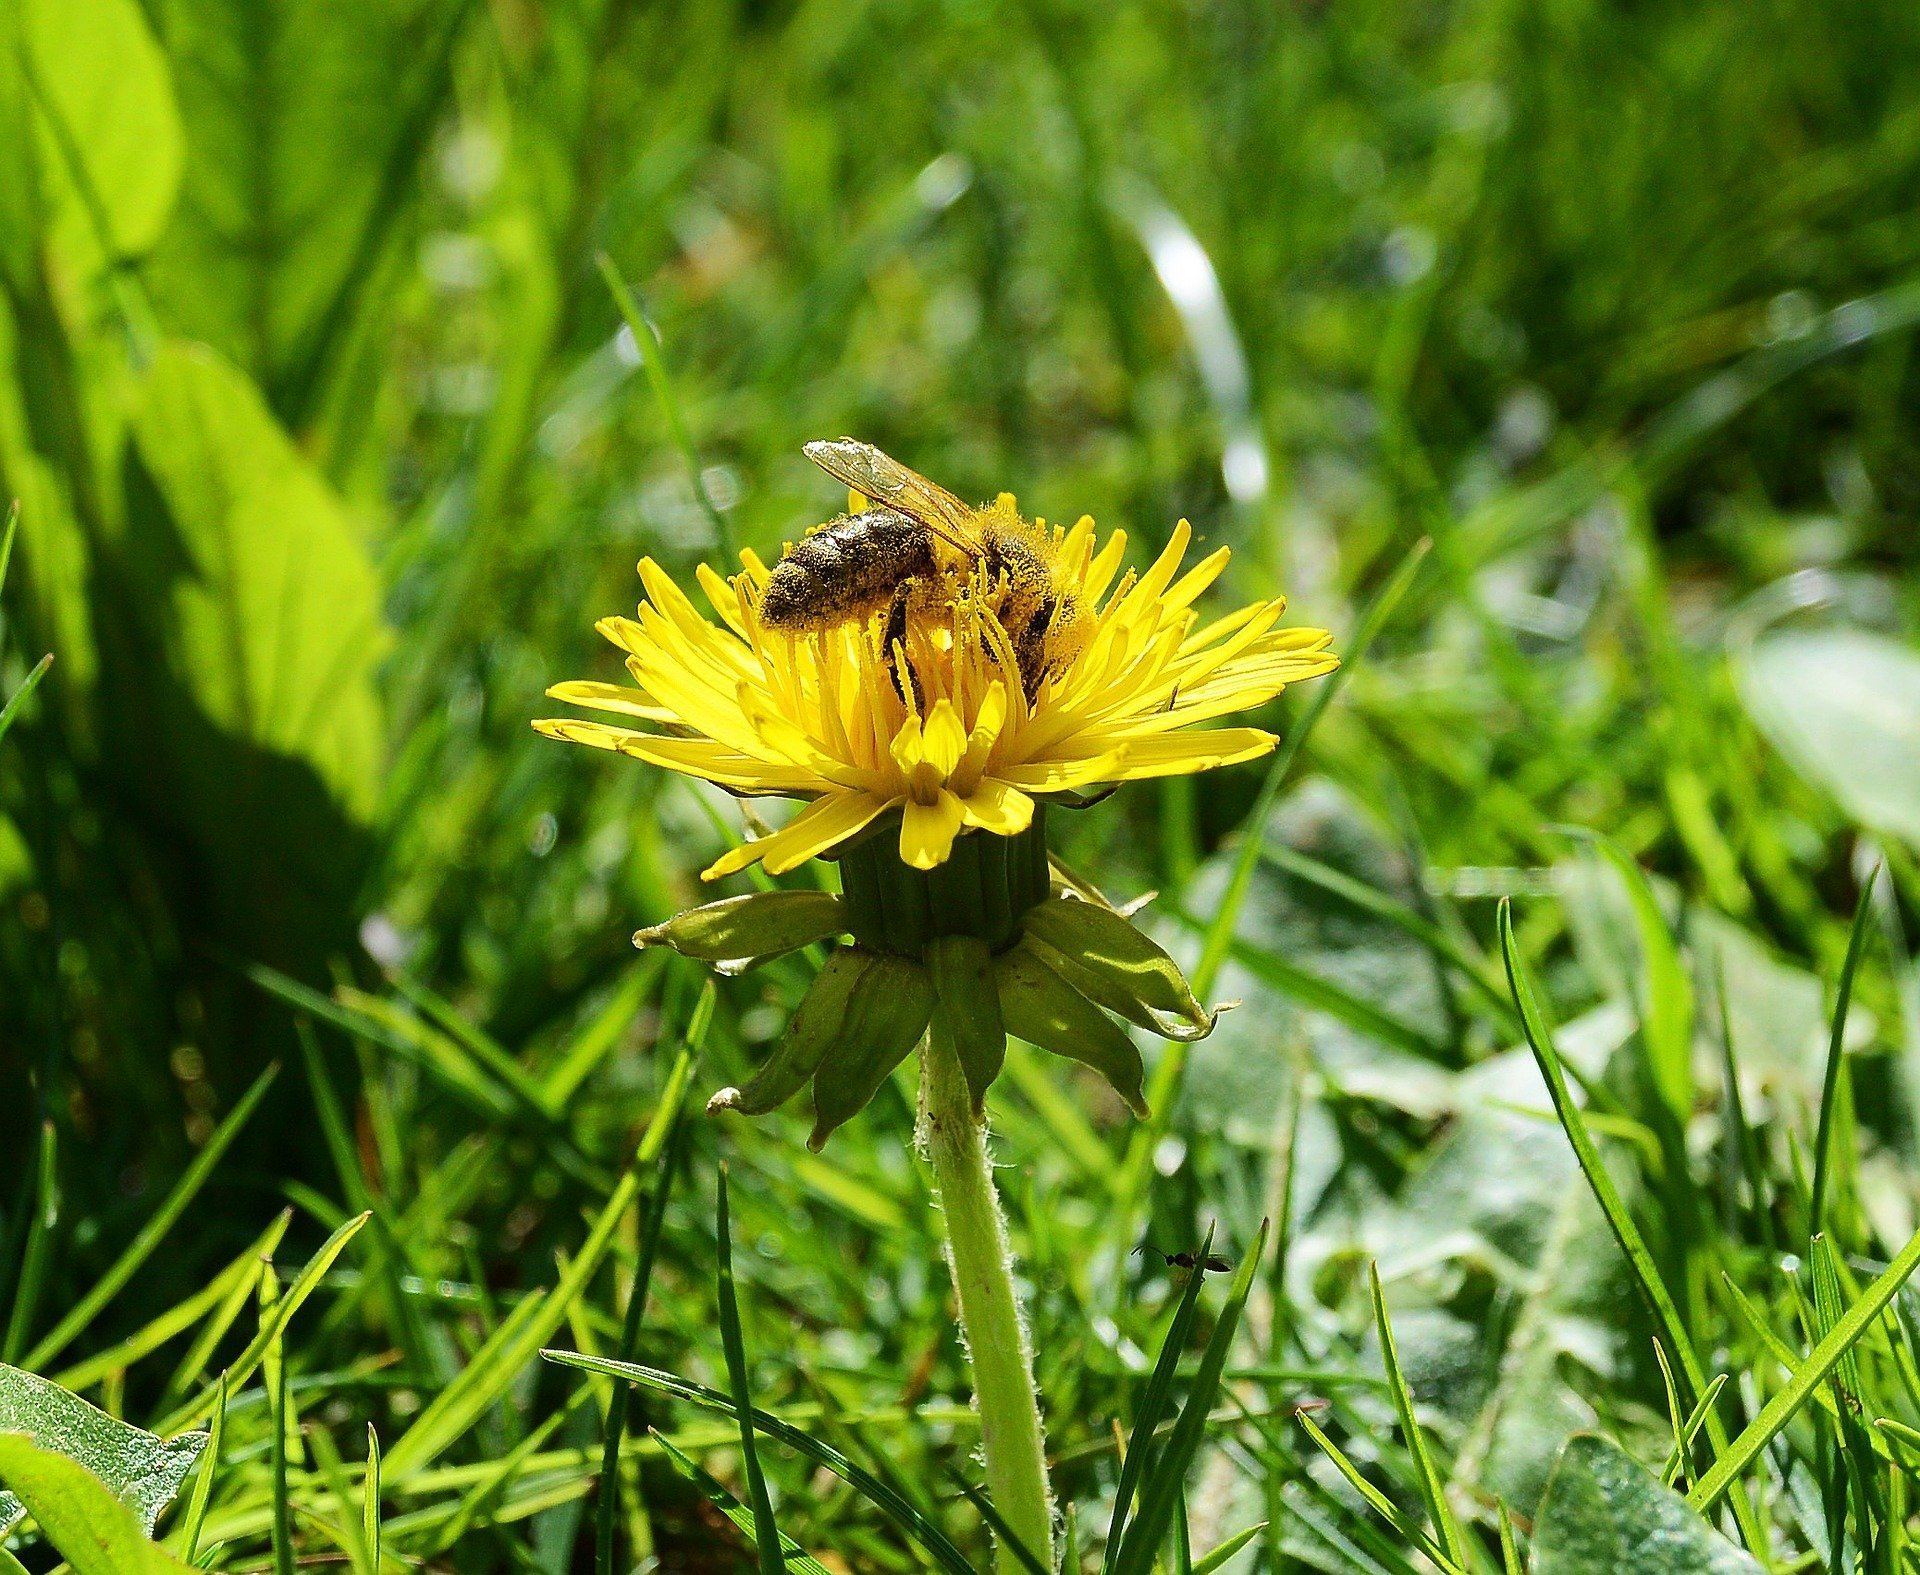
(866, 470)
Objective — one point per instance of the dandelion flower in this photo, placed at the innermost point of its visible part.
(939, 724)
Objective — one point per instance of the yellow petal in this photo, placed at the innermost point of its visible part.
(1177, 754)
(945, 738)
(817, 829)
(908, 748)
(927, 830)
(702, 757)
(612, 697)
(999, 808)
(1055, 776)
(1188, 589)
(577, 730)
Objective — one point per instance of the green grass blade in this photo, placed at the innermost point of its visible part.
(1216, 1558)
(1646, 1272)
(887, 1499)
(280, 1418)
(196, 1516)
(647, 343)
(19, 697)
(1160, 1492)
(1689, 1430)
(793, 1556)
(370, 1502)
(1003, 1533)
(1432, 1486)
(239, 1293)
(766, 1531)
(1253, 838)
(304, 1284)
(237, 1278)
(155, 1230)
(1619, 1221)
(1666, 995)
(1829, 1088)
(1153, 1403)
(655, 1203)
(1509, 1546)
(7, 535)
(1807, 1377)
(45, 1216)
(1381, 1505)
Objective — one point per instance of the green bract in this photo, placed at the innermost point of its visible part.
(984, 939)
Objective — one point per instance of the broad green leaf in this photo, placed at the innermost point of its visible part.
(142, 1471)
(305, 120)
(1844, 706)
(239, 642)
(1604, 1512)
(94, 1531)
(111, 146)
(273, 613)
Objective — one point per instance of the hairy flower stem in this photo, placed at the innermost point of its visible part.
(955, 1141)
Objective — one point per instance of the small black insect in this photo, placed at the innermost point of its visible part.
(1212, 1263)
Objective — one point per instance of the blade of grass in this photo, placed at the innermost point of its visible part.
(1003, 1533)
(1160, 1492)
(304, 1284)
(1843, 997)
(1217, 1557)
(370, 1502)
(1683, 1440)
(766, 1531)
(1432, 1486)
(1220, 932)
(214, 1330)
(196, 1516)
(484, 1379)
(1779, 1350)
(19, 697)
(151, 1234)
(280, 1417)
(33, 1258)
(930, 1537)
(1807, 1377)
(1646, 1272)
(1666, 995)
(655, 1204)
(646, 343)
(237, 1278)
(1509, 1547)
(793, 1556)
(1153, 1403)
(1381, 1505)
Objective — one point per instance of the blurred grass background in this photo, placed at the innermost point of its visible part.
(329, 450)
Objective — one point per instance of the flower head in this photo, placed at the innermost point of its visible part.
(958, 668)
(930, 707)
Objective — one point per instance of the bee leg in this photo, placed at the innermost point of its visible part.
(896, 641)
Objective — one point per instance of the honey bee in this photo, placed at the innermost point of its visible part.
(908, 547)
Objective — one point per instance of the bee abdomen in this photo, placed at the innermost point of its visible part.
(845, 569)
